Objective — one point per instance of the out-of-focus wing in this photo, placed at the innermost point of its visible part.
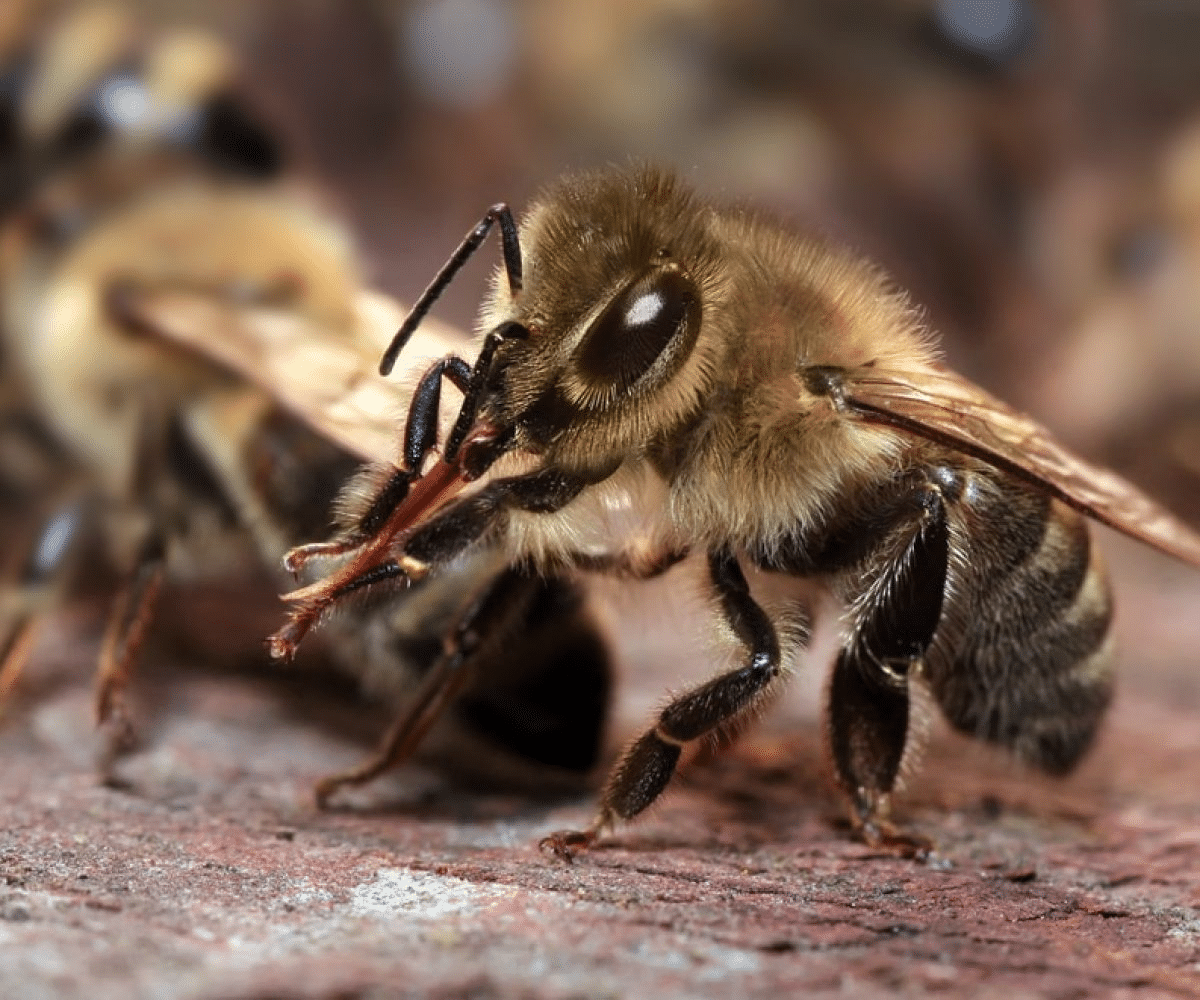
(942, 406)
(329, 378)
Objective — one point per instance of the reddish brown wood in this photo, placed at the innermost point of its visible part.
(210, 874)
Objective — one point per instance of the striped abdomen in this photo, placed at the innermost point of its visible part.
(1023, 655)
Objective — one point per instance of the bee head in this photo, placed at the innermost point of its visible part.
(610, 354)
(595, 342)
(95, 81)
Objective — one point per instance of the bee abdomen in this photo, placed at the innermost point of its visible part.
(1025, 658)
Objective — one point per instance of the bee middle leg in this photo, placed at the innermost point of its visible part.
(420, 437)
(647, 766)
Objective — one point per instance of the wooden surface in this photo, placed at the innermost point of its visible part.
(208, 873)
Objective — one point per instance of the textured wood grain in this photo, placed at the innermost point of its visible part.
(210, 874)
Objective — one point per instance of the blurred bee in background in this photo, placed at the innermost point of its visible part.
(771, 403)
(97, 80)
(116, 138)
(149, 231)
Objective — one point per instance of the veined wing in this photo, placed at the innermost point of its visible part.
(328, 377)
(942, 406)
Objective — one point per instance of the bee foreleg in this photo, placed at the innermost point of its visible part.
(466, 520)
(421, 427)
(434, 542)
(463, 522)
(489, 614)
(894, 620)
(420, 438)
(647, 766)
(480, 375)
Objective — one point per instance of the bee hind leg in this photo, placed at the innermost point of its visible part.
(895, 618)
(647, 766)
(868, 721)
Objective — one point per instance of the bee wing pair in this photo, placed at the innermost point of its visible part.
(943, 406)
(325, 379)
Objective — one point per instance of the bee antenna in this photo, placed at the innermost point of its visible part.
(511, 248)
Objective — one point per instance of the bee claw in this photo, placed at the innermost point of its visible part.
(324, 791)
(565, 844)
(280, 648)
(888, 837)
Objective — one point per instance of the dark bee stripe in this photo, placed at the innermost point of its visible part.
(1023, 658)
(296, 474)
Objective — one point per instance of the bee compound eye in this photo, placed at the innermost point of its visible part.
(234, 139)
(118, 103)
(655, 315)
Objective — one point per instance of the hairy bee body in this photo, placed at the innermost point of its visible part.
(747, 450)
(661, 376)
(758, 460)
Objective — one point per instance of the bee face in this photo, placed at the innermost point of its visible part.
(621, 271)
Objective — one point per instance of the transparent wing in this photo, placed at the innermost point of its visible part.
(328, 377)
(942, 406)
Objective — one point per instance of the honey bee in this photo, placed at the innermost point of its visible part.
(130, 272)
(117, 140)
(96, 80)
(759, 399)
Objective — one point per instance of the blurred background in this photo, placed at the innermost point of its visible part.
(1028, 169)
